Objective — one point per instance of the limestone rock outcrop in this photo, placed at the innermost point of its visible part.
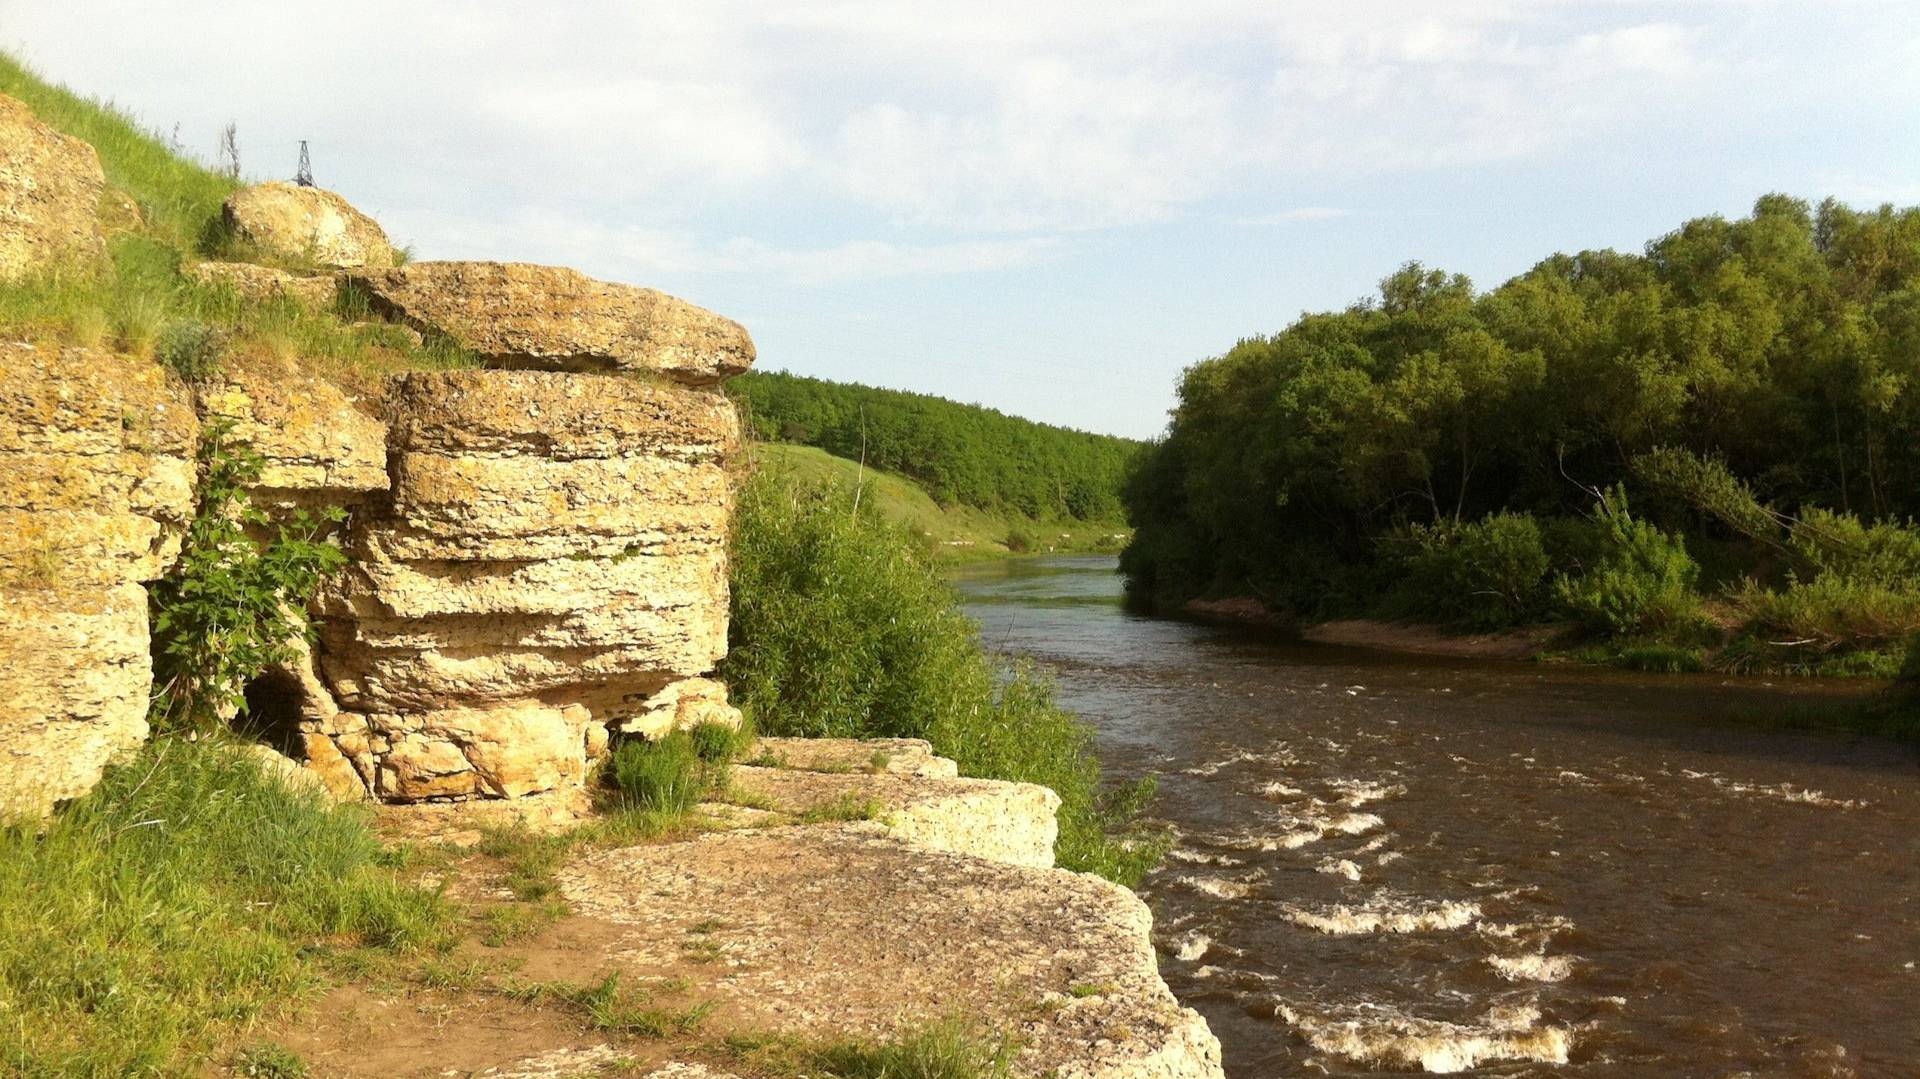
(516, 314)
(50, 191)
(261, 283)
(1063, 961)
(891, 756)
(986, 818)
(96, 484)
(550, 562)
(319, 447)
(307, 223)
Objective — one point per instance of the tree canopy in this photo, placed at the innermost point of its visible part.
(961, 454)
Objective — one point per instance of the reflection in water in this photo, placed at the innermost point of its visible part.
(1394, 863)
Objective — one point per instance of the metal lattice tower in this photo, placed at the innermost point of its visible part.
(304, 177)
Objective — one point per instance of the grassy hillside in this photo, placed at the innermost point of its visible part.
(963, 455)
(955, 532)
(140, 302)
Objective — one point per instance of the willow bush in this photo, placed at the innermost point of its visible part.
(843, 627)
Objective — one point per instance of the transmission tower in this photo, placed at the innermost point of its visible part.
(304, 177)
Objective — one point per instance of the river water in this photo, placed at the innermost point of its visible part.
(1391, 863)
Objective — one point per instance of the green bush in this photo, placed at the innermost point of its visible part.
(669, 775)
(179, 900)
(192, 350)
(842, 627)
(232, 605)
(1485, 574)
(1641, 583)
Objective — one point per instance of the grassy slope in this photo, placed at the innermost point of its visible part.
(959, 532)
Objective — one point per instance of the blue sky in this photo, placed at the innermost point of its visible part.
(1050, 208)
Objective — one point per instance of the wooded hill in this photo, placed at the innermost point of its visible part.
(962, 454)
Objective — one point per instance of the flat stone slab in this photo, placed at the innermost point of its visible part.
(842, 931)
(987, 818)
(897, 756)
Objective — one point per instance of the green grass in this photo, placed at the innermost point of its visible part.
(138, 300)
(954, 533)
(179, 197)
(672, 774)
(953, 1047)
(847, 807)
(613, 1004)
(180, 901)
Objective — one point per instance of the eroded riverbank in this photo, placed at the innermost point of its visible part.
(1398, 862)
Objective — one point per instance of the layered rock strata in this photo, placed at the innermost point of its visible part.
(898, 783)
(550, 562)
(96, 484)
(51, 186)
(515, 314)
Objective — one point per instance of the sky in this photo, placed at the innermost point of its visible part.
(1050, 208)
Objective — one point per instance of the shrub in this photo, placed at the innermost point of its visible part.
(668, 775)
(176, 901)
(842, 627)
(232, 605)
(1641, 582)
(1485, 574)
(192, 350)
(1021, 540)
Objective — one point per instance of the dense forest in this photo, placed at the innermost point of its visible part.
(1712, 446)
(962, 454)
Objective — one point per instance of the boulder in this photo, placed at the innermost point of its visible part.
(307, 224)
(51, 188)
(262, 283)
(515, 314)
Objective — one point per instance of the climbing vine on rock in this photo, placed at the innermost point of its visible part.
(234, 603)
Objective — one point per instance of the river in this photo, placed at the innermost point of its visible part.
(1390, 863)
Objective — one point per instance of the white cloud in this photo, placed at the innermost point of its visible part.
(1293, 216)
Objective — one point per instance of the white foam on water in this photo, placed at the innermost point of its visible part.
(1219, 889)
(1387, 914)
(1278, 756)
(1779, 792)
(1384, 1036)
(1532, 968)
(1355, 823)
(1195, 857)
(1373, 844)
(1388, 858)
(1191, 947)
(1280, 790)
(1338, 867)
(1359, 792)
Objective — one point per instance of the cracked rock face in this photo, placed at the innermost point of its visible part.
(96, 485)
(50, 191)
(551, 561)
(1062, 961)
(307, 223)
(319, 448)
(516, 314)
